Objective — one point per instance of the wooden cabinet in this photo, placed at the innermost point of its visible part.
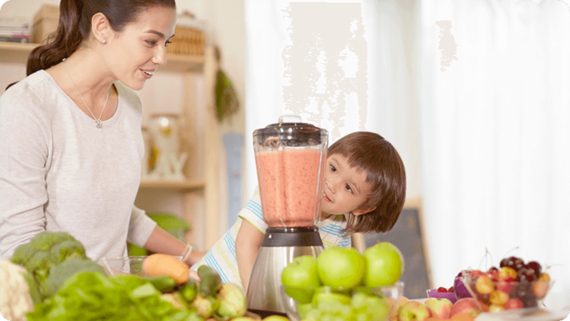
(199, 190)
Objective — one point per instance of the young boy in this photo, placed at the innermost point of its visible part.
(364, 191)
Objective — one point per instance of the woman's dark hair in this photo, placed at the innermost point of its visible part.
(75, 26)
(386, 174)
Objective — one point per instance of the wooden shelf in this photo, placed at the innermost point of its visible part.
(181, 186)
(18, 53)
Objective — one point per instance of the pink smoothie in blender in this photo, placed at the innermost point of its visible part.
(288, 184)
(289, 157)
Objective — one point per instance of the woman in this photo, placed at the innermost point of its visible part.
(70, 133)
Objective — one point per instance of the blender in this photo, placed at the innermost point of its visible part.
(290, 158)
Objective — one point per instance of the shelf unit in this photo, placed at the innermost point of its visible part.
(18, 53)
(200, 194)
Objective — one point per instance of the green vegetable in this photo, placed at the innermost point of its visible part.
(58, 274)
(162, 283)
(67, 249)
(188, 290)
(44, 251)
(46, 240)
(205, 306)
(90, 296)
(232, 301)
(227, 101)
(210, 281)
(22, 254)
(32, 287)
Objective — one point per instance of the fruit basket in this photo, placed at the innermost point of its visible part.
(125, 265)
(507, 290)
(360, 303)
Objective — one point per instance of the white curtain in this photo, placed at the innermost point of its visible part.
(494, 86)
(475, 95)
(312, 59)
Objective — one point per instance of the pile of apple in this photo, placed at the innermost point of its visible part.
(514, 285)
(342, 284)
(433, 309)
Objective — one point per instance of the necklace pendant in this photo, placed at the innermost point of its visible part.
(98, 123)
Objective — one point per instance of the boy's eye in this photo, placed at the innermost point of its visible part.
(333, 168)
(166, 44)
(151, 42)
(348, 188)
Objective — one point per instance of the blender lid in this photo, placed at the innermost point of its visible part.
(293, 132)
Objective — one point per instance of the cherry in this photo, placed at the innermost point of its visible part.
(523, 291)
(536, 267)
(518, 264)
(530, 303)
(504, 262)
(511, 262)
(450, 289)
(526, 275)
(441, 289)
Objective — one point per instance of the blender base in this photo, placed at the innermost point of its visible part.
(264, 314)
(278, 249)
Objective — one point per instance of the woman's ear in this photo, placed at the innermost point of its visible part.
(101, 28)
(360, 212)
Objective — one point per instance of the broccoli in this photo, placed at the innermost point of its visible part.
(22, 254)
(47, 250)
(67, 249)
(46, 240)
(58, 274)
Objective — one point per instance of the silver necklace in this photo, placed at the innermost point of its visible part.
(98, 122)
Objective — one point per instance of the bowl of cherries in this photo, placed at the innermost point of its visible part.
(442, 293)
(514, 285)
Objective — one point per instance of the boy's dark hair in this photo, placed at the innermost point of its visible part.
(386, 174)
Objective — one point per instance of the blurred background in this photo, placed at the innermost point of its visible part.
(475, 96)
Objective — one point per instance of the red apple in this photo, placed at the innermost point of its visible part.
(414, 310)
(467, 306)
(484, 285)
(513, 303)
(440, 308)
(476, 273)
(402, 302)
(506, 285)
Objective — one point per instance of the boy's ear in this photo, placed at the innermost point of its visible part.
(360, 212)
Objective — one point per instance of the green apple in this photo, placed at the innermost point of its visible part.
(300, 278)
(275, 318)
(384, 264)
(304, 308)
(325, 294)
(340, 268)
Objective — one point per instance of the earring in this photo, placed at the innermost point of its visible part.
(103, 41)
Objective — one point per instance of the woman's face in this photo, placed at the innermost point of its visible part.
(141, 47)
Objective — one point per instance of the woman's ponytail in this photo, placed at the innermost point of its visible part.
(63, 43)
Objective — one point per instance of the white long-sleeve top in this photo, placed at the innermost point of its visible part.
(59, 172)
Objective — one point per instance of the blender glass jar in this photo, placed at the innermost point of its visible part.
(290, 159)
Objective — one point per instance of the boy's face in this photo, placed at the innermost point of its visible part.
(345, 188)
